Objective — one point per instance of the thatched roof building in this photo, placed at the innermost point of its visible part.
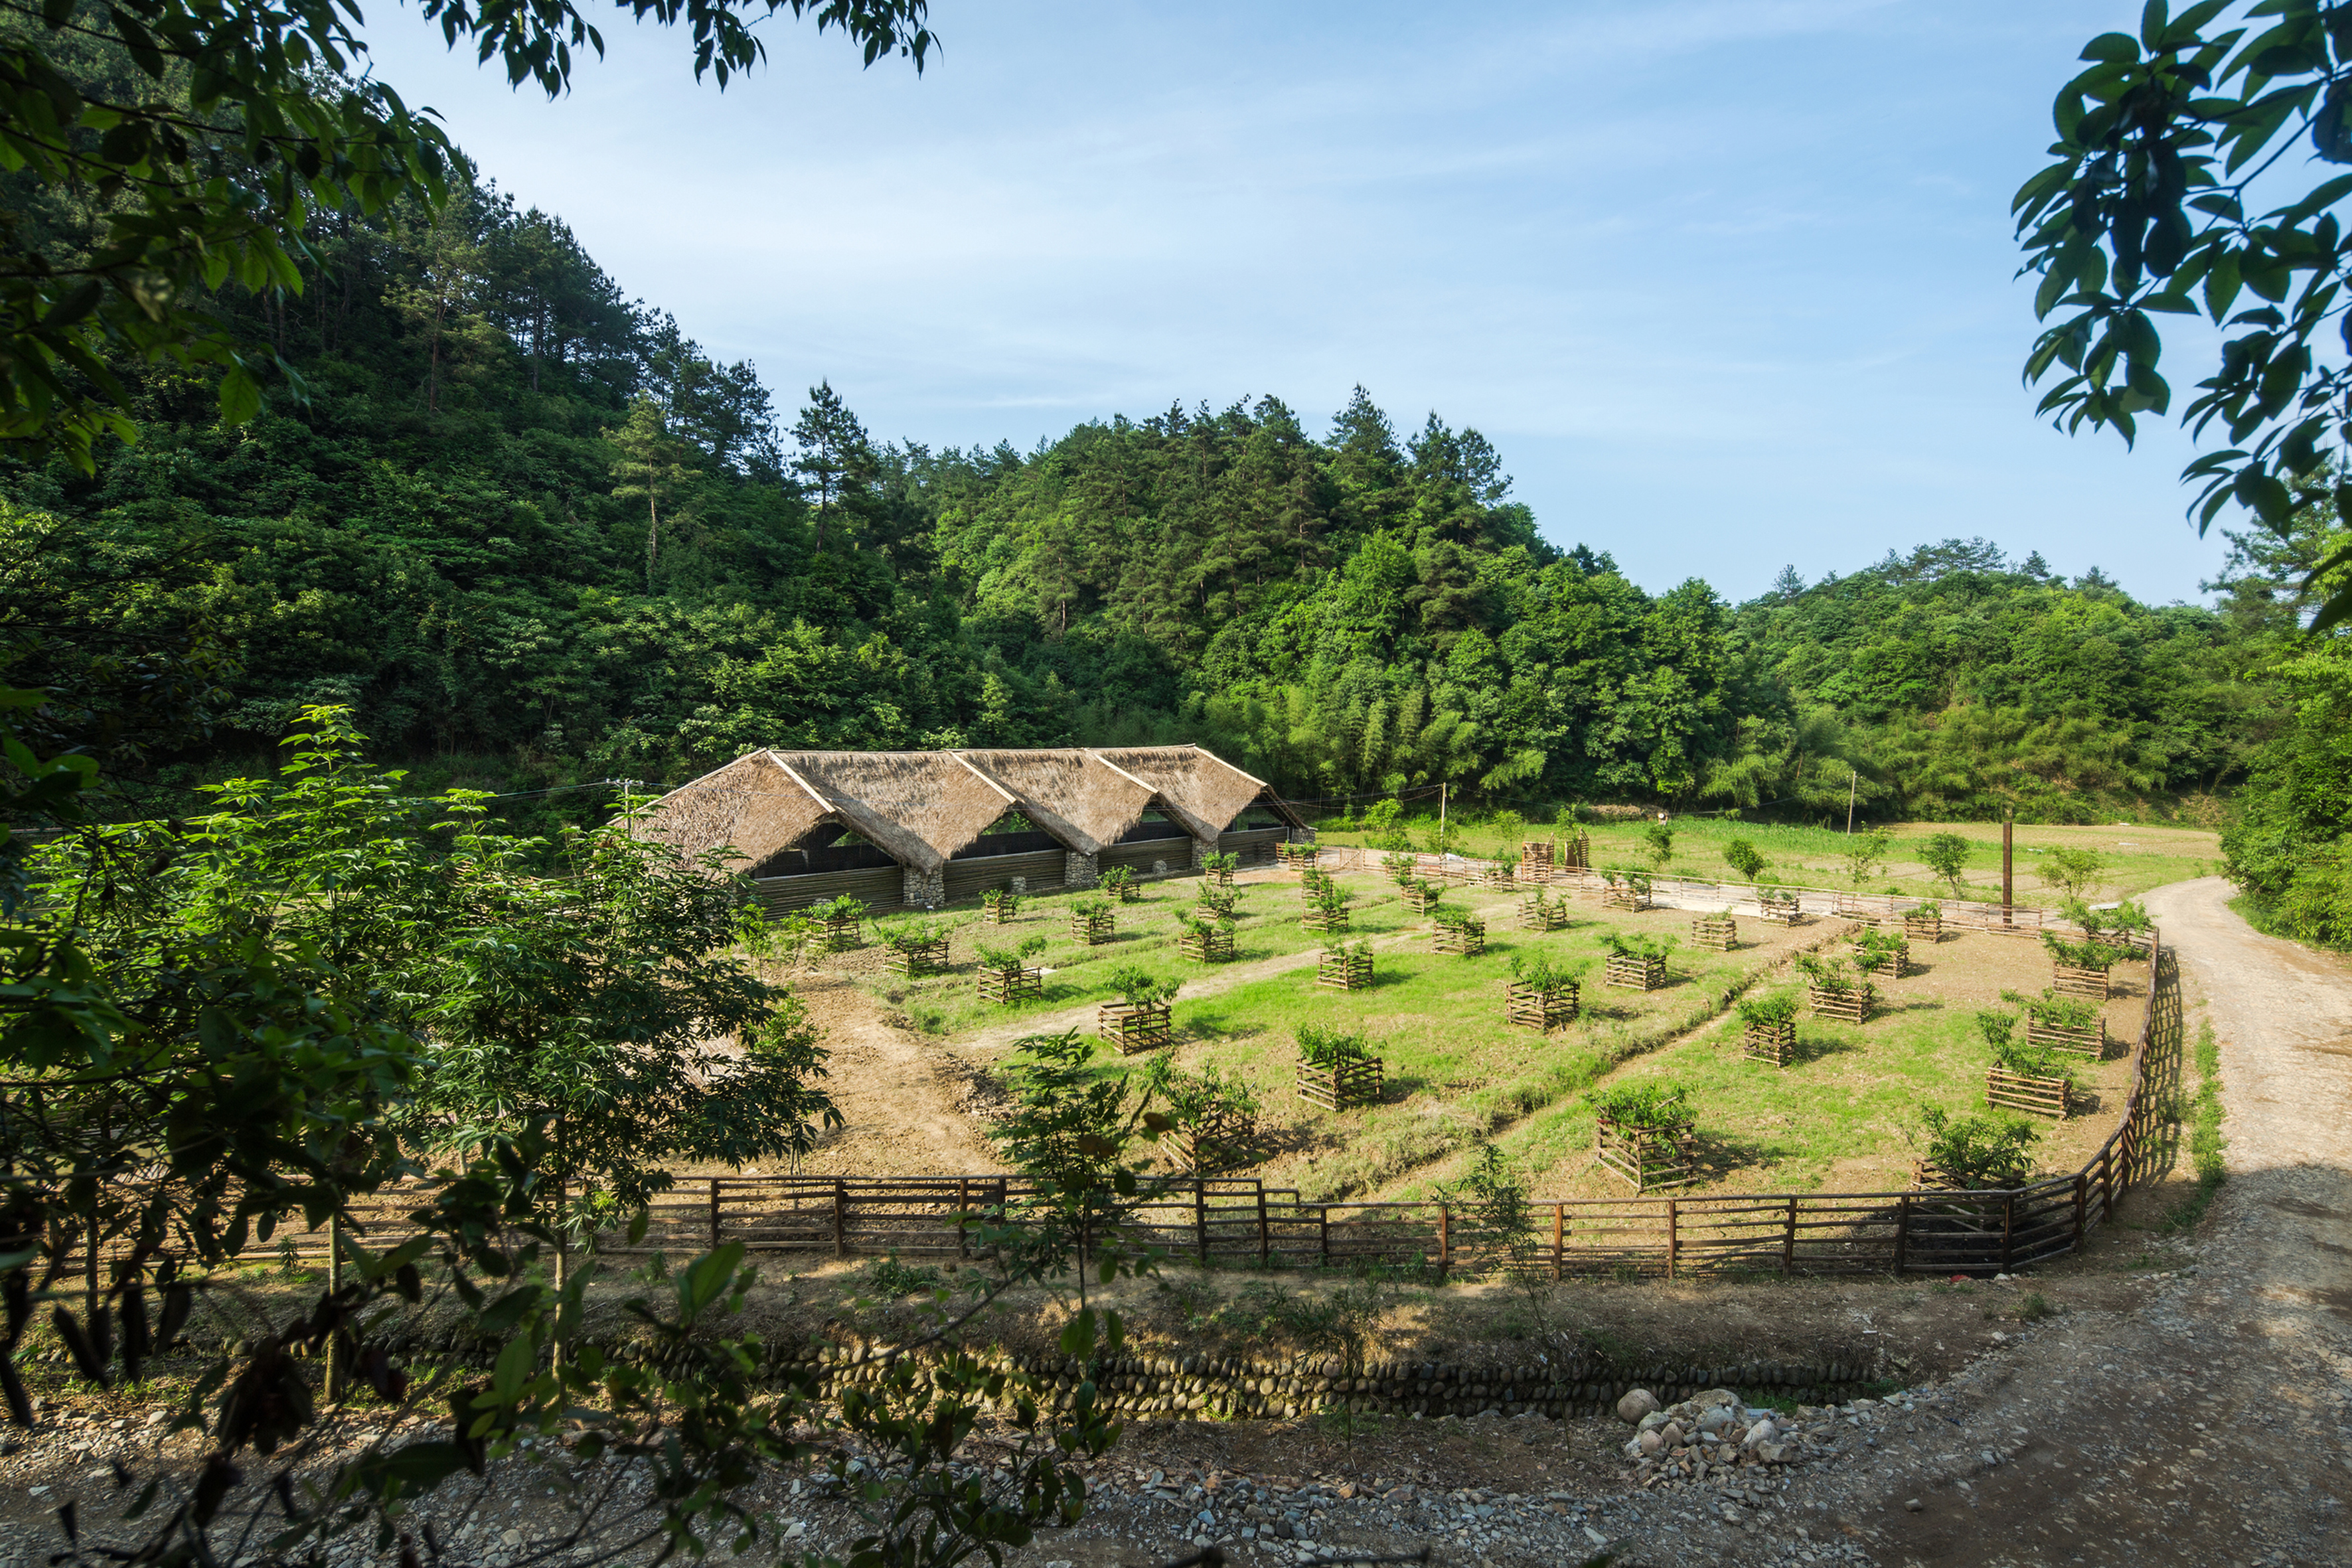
(796, 816)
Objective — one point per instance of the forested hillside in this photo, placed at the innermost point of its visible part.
(530, 533)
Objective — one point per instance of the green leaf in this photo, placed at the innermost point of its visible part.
(513, 1369)
(240, 396)
(2113, 48)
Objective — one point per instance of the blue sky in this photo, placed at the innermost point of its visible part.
(1729, 282)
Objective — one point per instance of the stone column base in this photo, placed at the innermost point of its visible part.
(1079, 870)
(1201, 849)
(923, 889)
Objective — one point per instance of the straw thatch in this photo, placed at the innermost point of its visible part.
(750, 807)
(921, 808)
(1073, 795)
(1203, 791)
(918, 807)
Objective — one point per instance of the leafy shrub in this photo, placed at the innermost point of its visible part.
(1634, 944)
(1337, 945)
(1426, 890)
(1090, 908)
(1120, 876)
(843, 908)
(1229, 861)
(1321, 1048)
(1003, 898)
(1876, 950)
(1331, 898)
(1745, 859)
(1831, 974)
(1864, 853)
(1139, 987)
(1661, 840)
(2031, 1060)
(1926, 909)
(1623, 878)
(1219, 901)
(1978, 1150)
(1399, 865)
(1655, 1104)
(1996, 1026)
(1450, 918)
(902, 935)
(1380, 817)
(1010, 959)
(1194, 1098)
(2052, 1011)
(892, 1279)
(1544, 975)
(1775, 1008)
(2089, 954)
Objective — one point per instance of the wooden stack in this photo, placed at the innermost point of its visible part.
(1536, 862)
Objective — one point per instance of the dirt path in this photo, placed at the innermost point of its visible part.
(900, 1094)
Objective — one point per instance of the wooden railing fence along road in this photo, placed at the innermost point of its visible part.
(1242, 1221)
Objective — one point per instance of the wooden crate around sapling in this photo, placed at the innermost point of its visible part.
(1847, 1003)
(1630, 971)
(1206, 947)
(2068, 980)
(1011, 986)
(842, 933)
(999, 911)
(1625, 897)
(1537, 915)
(1717, 933)
(2023, 1091)
(1093, 930)
(1462, 936)
(1777, 911)
(1344, 970)
(1423, 900)
(1924, 928)
(917, 958)
(1360, 1081)
(1648, 1158)
(2091, 1042)
(1325, 922)
(1527, 1008)
(1769, 1042)
(1132, 1028)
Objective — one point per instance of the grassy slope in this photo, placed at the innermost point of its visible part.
(2138, 858)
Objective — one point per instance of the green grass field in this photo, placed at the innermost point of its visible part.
(2138, 857)
(1840, 1118)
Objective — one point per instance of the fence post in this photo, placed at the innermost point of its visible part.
(963, 1207)
(1558, 1236)
(1323, 1233)
(1788, 1240)
(1445, 1239)
(2008, 1226)
(1902, 1231)
(840, 1217)
(1200, 1217)
(1674, 1242)
(2082, 1201)
(714, 1212)
(1265, 1246)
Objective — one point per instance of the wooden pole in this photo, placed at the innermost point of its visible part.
(1853, 779)
(1559, 1238)
(334, 1284)
(1200, 1217)
(1445, 1239)
(1264, 1244)
(714, 1213)
(2007, 833)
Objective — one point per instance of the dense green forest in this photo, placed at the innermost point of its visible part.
(532, 534)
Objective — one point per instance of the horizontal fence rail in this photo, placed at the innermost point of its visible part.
(1242, 1221)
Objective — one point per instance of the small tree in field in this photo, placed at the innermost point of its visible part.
(2074, 872)
(1864, 853)
(1946, 854)
(1661, 840)
(1745, 859)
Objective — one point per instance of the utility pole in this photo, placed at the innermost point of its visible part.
(2008, 833)
(1852, 779)
(1442, 788)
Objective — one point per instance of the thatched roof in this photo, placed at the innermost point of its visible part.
(1073, 795)
(751, 804)
(918, 807)
(1200, 790)
(921, 808)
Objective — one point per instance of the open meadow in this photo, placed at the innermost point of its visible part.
(1843, 1115)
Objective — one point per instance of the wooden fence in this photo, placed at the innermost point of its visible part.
(1242, 1221)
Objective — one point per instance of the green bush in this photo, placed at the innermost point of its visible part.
(1322, 1048)
(1655, 1104)
(1634, 944)
(1774, 1008)
(1745, 859)
(1139, 987)
(1996, 1026)
(2052, 1011)
(1946, 854)
(1979, 1150)
(1544, 974)
(1008, 959)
